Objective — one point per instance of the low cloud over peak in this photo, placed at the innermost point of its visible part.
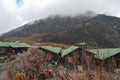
(17, 12)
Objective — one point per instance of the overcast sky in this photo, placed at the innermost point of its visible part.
(14, 13)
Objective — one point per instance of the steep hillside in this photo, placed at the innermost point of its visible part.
(47, 26)
(98, 31)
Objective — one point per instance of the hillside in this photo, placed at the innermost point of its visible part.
(50, 25)
(98, 31)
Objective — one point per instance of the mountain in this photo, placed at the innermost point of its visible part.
(46, 26)
(97, 31)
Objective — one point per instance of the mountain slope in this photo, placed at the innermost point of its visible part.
(99, 31)
(46, 26)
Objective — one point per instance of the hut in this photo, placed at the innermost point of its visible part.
(52, 56)
(3, 51)
(3, 48)
(12, 47)
(110, 57)
(71, 56)
(51, 52)
(15, 47)
(19, 47)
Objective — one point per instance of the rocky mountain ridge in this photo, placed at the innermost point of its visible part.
(97, 31)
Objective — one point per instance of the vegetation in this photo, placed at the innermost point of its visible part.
(29, 65)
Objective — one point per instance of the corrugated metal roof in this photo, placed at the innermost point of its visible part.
(69, 50)
(105, 53)
(3, 44)
(18, 45)
(24, 45)
(13, 44)
(52, 49)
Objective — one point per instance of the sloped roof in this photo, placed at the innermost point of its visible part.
(69, 50)
(52, 49)
(105, 53)
(24, 45)
(3, 44)
(13, 44)
(17, 45)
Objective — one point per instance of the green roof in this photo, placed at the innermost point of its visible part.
(105, 53)
(24, 45)
(13, 44)
(18, 45)
(69, 50)
(3, 44)
(52, 49)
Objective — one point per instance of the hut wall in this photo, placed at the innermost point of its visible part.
(117, 60)
(88, 60)
(3, 51)
(113, 63)
(73, 58)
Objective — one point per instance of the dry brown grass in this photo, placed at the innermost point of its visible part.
(53, 44)
(25, 63)
(30, 60)
(35, 40)
(94, 75)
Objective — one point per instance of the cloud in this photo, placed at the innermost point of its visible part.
(8, 20)
(44, 8)
(19, 3)
(17, 12)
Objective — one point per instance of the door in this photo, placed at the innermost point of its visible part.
(118, 64)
